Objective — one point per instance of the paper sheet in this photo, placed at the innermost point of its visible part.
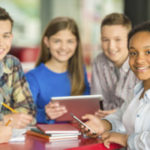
(18, 135)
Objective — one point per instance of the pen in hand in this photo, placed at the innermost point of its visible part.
(8, 122)
(12, 110)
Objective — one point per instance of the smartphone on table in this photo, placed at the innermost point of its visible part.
(82, 123)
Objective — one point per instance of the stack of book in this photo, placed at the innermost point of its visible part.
(55, 132)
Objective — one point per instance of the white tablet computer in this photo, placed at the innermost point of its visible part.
(79, 105)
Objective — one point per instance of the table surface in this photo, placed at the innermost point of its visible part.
(36, 143)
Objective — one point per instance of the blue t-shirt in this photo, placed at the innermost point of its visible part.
(45, 84)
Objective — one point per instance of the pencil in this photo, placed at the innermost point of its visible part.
(8, 122)
(8, 107)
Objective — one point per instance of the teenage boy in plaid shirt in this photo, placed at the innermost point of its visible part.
(14, 89)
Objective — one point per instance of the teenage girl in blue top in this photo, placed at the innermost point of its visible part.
(59, 70)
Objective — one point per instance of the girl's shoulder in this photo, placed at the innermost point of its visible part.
(36, 71)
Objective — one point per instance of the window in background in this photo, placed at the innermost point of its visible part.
(26, 21)
(31, 17)
(26, 31)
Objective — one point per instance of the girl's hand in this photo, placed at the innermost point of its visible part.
(114, 137)
(54, 110)
(96, 124)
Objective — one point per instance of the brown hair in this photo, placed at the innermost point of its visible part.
(75, 65)
(5, 16)
(117, 19)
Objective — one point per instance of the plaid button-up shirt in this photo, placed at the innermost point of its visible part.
(14, 90)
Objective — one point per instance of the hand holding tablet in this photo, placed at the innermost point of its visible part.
(54, 110)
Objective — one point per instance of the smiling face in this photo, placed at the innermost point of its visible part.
(5, 37)
(139, 55)
(114, 43)
(62, 45)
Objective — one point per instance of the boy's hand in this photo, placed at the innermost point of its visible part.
(5, 134)
(18, 120)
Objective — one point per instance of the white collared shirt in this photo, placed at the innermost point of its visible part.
(133, 118)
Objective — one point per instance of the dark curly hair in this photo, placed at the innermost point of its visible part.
(145, 26)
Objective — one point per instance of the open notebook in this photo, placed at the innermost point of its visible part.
(18, 135)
